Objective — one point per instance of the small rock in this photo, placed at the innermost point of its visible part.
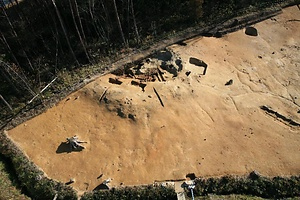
(230, 82)
(260, 57)
(105, 182)
(131, 116)
(187, 73)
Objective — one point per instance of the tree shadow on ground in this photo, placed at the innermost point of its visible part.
(101, 187)
(65, 147)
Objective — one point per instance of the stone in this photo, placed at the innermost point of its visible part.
(187, 73)
(251, 31)
(230, 82)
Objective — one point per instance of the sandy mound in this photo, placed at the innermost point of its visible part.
(211, 107)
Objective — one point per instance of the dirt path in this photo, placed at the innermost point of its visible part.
(205, 126)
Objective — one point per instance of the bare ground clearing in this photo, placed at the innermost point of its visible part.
(201, 125)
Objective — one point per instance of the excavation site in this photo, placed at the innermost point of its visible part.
(209, 106)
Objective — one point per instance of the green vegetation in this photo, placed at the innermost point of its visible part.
(277, 187)
(233, 197)
(31, 178)
(9, 188)
(137, 193)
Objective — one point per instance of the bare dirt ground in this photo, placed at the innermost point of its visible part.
(204, 126)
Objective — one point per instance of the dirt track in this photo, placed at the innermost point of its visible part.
(205, 127)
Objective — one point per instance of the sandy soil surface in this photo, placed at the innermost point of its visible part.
(205, 127)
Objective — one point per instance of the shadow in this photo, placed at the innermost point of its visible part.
(178, 62)
(164, 55)
(207, 34)
(65, 147)
(191, 176)
(184, 185)
(69, 182)
(230, 82)
(101, 187)
(169, 68)
(181, 43)
(115, 81)
(199, 63)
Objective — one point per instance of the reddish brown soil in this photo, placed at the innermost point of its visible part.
(204, 127)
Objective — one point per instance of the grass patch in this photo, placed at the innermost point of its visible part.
(233, 197)
(130, 193)
(265, 187)
(9, 188)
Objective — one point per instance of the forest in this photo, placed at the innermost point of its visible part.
(41, 38)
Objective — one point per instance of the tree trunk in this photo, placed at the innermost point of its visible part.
(16, 36)
(7, 104)
(78, 33)
(134, 24)
(15, 75)
(65, 31)
(119, 23)
(8, 47)
(80, 23)
(107, 21)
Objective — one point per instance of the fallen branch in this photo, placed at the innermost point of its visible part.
(161, 102)
(42, 90)
(6, 102)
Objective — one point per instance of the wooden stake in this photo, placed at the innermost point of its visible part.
(161, 102)
(103, 94)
